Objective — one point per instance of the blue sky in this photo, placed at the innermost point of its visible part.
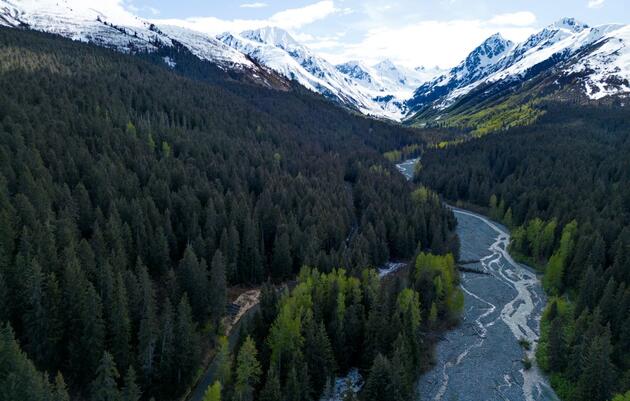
(409, 32)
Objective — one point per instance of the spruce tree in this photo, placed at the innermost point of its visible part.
(217, 291)
(319, 356)
(281, 264)
(186, 344)
(19, 379)
(60, 391)
(119, 324)
(378, 384)
(104, 387)
(131, 391)
(598, 375)
(248, 371)
(193, 279)
(224, 361)
(147, 330)
(556, 346)
(271, 391)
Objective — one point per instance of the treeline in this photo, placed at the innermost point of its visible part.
(130, 197)
(564, 184)
(330, 323)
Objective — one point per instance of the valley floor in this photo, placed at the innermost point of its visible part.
(484, 358)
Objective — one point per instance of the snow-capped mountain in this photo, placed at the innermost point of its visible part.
(594, 59)
(598, 58)
(379, 90)
(477, 65)
(116, 28)
(252, 53)
(385, 79)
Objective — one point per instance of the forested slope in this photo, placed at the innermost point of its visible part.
(130, 196)
(564, 185)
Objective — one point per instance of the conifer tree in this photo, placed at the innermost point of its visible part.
(271, 391)
(248, 371)
(556, 345)
(598, 374)
(281, 263)
(319, 355)
(131, 391)
(378, 383)
(104, 387)
(19, 379)
(60, 390)
(193, 279)
(147, 330)
(223, 361)
(217, 291)
(119, 324)
(186, 344)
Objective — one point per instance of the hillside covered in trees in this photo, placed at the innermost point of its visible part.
(563, 184)
(132, 196)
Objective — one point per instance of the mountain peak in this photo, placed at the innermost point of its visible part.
(386, 64)
(271, 35)
(570, 24)
(497, 42)
(489, 51)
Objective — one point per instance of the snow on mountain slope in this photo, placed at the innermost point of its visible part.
(477, 65)
(606, 69)
(386, 77)
(379, 90)
(113, 27)
(601, 56)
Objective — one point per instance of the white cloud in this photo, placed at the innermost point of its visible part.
(521, 18)
(290, 19)
(596, 3)
(298, 17)
(428, 43)
(254, 5)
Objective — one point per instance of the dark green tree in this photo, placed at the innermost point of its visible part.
(217, 289)
(104, 386)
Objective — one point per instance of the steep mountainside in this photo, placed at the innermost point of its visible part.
(379, 90)
(266, 56)
(117, 29)
(565, 58)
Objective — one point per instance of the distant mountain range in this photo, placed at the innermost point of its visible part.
(567, 56)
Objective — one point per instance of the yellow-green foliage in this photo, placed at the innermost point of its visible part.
(622, 397)
(378, 169)
(422, 195)
(439, 272)
(446, 144)
(554, 272)
(512, 112)
(314, 289)
(409, 307)
(402, 154)
(213, 393)
(501, 117)
(533, 243)
(564, 310)
(393, 155)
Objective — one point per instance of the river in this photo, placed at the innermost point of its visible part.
(482, 358)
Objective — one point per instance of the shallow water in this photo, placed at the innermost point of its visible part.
(481, 359)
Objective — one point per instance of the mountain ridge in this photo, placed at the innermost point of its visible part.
(271, 57)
